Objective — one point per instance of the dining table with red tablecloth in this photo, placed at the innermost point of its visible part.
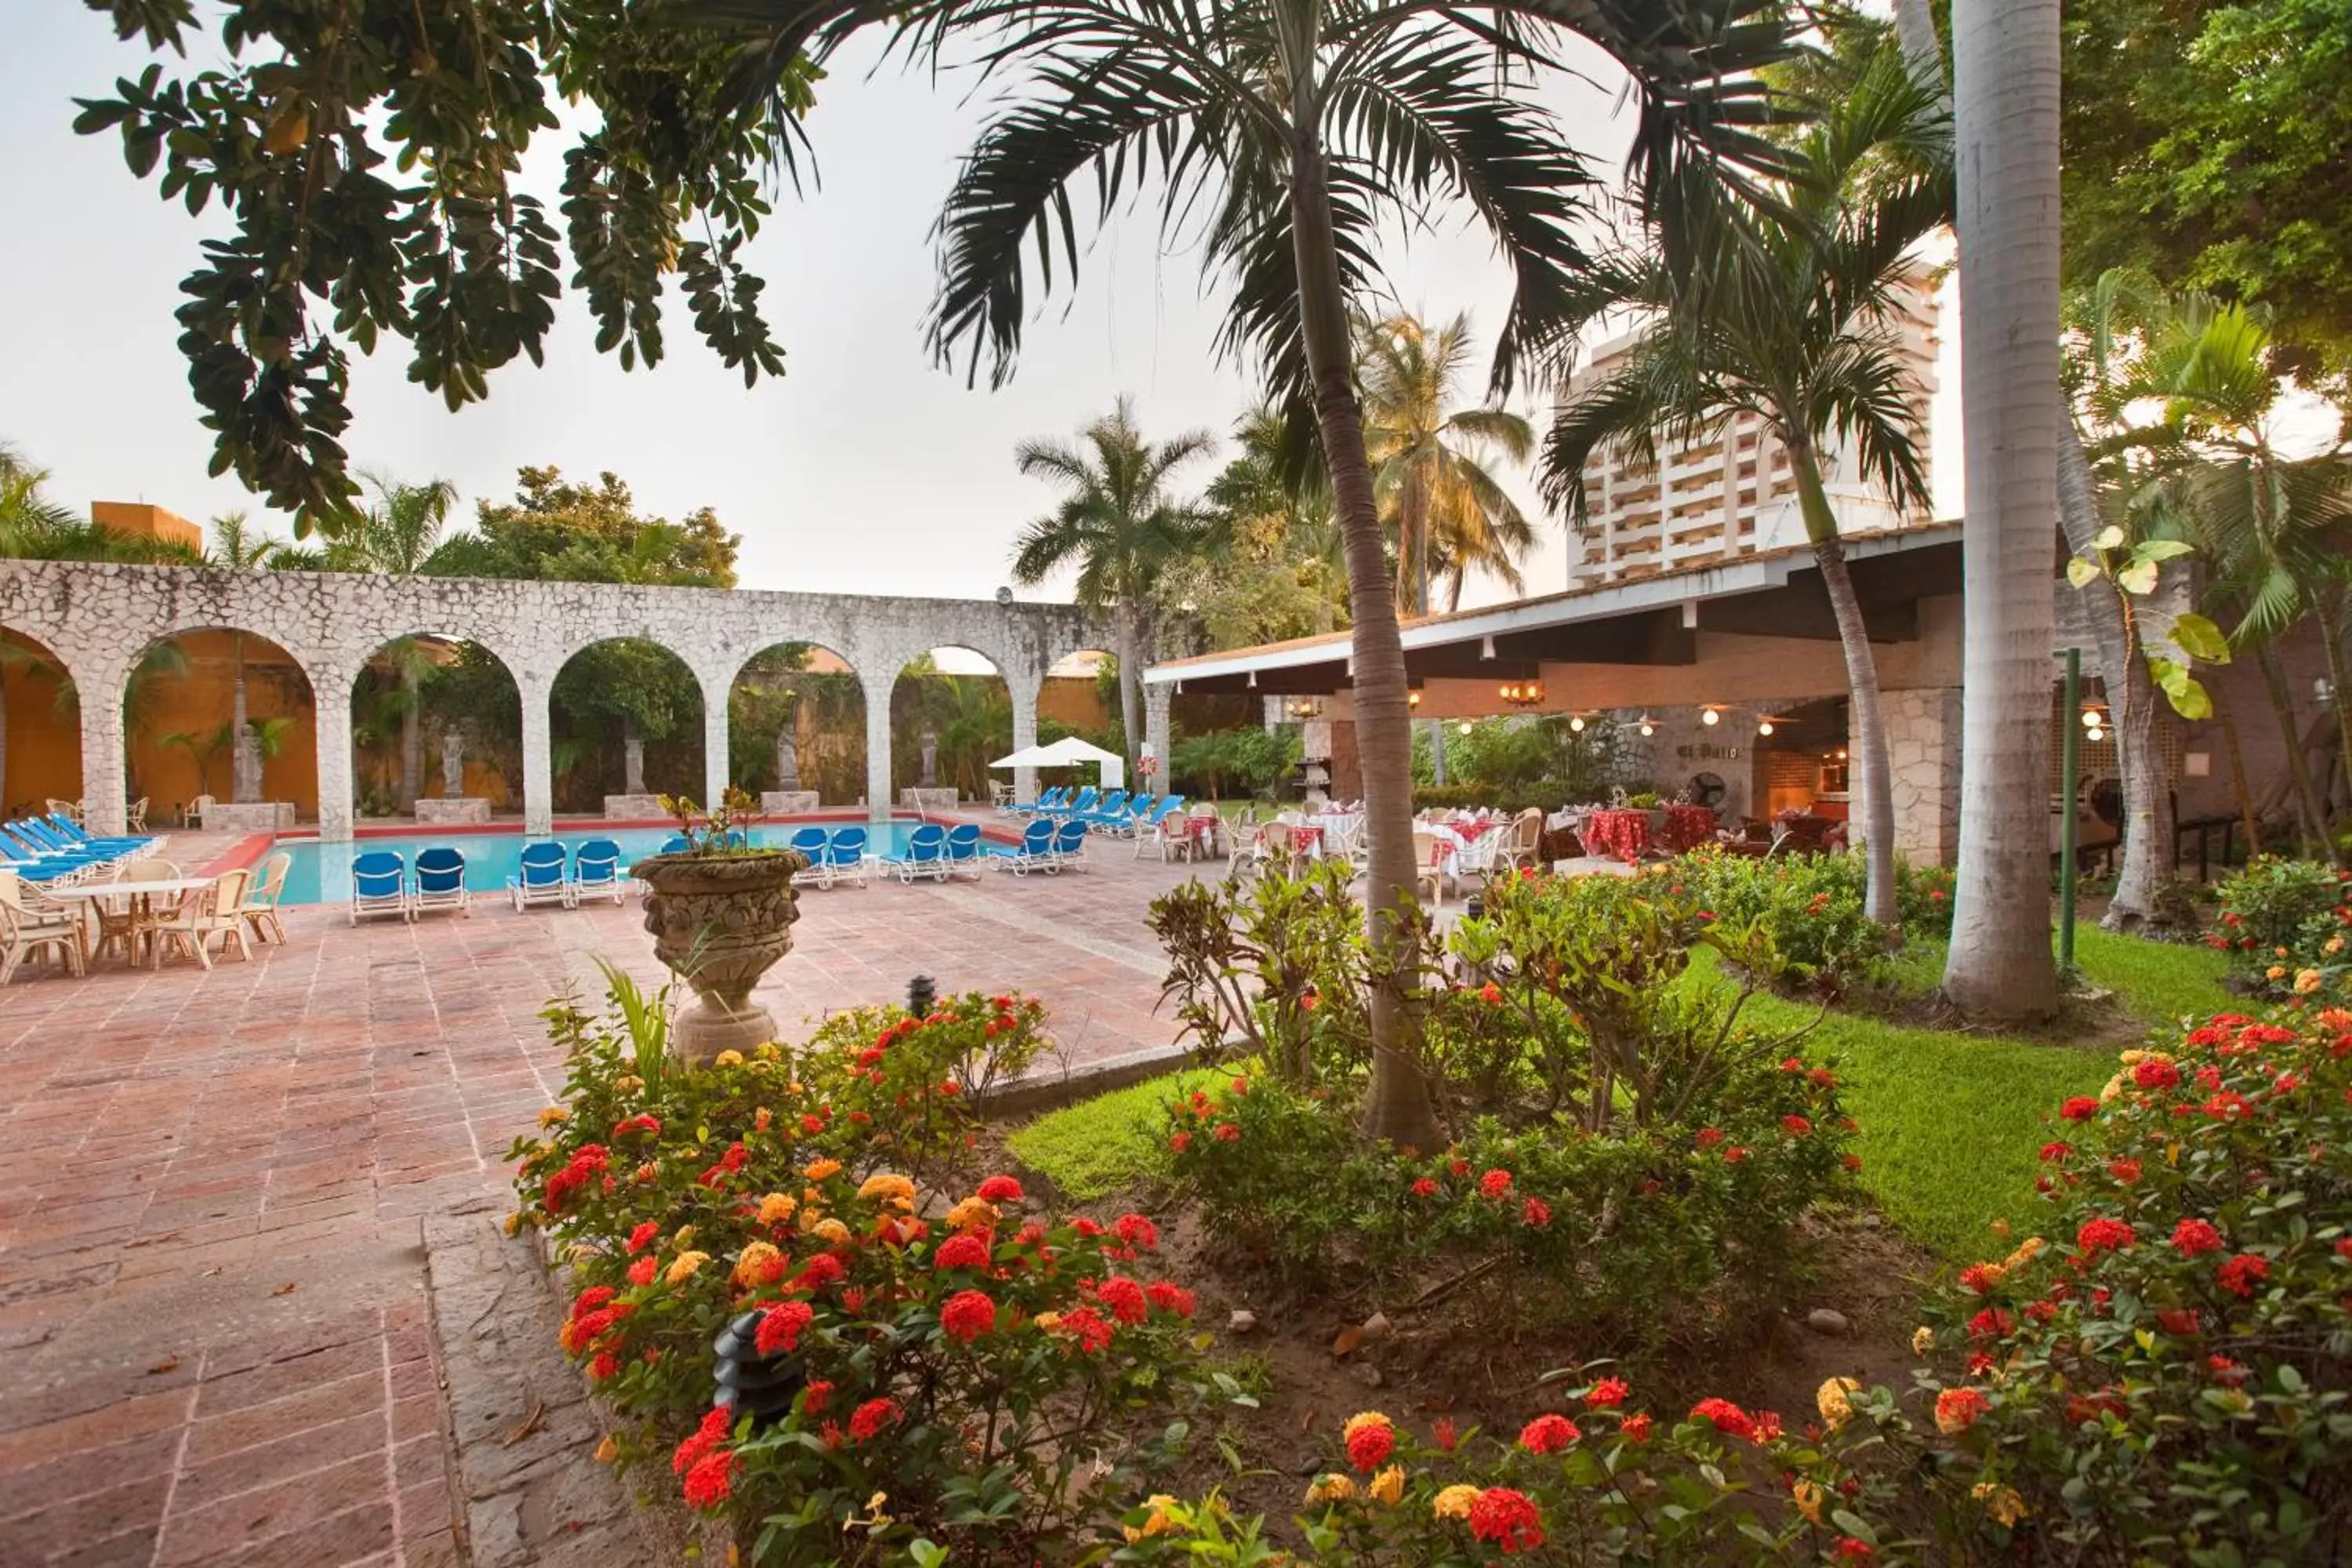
(1687, 827)
(1624, 832)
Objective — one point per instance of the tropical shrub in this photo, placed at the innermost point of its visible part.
(1923, 898)
(1809, 906)
(2282, 918)
(951, 1358)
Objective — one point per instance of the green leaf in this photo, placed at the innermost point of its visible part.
(2192, 700)
(2081, 572)
(2200, 639)
(2139, 577)
(2108, 538)
(2162, 549)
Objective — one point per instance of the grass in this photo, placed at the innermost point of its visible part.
(1951, 1121)
(1097, 1146)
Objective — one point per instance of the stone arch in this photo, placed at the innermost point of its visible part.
(40, 741)
(423, 702)
(812, 691)
(949, 721)
(174, 701)
(628, 717)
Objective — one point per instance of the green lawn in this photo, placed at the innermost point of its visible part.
(1950, 1122)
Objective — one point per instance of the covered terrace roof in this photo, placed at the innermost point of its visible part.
(1653, 620)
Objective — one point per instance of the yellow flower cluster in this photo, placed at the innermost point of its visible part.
(2002, 1502)
(1361, 1420)
(1157, 1523)
(554, 1116)
(1453, 1502)
(832, 1230)
(1809, 1498)
(1331, 1487)
(819, 1169)
(973, 1215)
(890, 1187)
(1388, 1487)
(2306, 981)
(777, 1207)
(1833, 1400)
(728, 1060)
(1923, 1340)
(683, 1266)
(756, 1261)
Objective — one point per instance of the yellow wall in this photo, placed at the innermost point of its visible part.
(1076, 701)
(149, 522)
(44, 744)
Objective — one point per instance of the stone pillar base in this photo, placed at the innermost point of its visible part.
(451, 809)
(249, 817)
(915, 798)
(788, 802)
(621, 806)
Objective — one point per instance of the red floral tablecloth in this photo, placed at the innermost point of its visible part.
(1624, 833)
(1687, 827)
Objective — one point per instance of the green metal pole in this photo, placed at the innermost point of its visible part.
(2071, 752)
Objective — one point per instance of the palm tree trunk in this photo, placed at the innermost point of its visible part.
(1398, 1107)
(1866, 726)
(1130, 686)
(2298, 762)
(411, 734)
(2147, 804)
(2331, 640)
(1437, 750)
(2006, 67)
(2227, 713)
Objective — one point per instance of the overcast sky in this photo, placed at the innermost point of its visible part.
(864, 469)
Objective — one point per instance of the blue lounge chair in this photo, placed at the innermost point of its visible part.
(1069, 847)
(844, 856)
(1036, 849)
(74, 836)
(596, 870)
(1083, 804)
(1121, 819)
(1023, 808)
(965, 856)
(926, 856)
(539, 876)
(379, 885)
(440, 882)
(810, 842)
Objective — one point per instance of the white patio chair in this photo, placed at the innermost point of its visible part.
(21, 939)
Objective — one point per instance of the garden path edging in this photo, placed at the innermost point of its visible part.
(524, 1431)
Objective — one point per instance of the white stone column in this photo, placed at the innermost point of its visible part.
(716, 690)
(538, 773)
(105, 770)
(1157, 729)
(1025, 690)
(1922, 746)
(878, 686)
(331, 699)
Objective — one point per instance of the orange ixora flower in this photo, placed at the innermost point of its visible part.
(1453, 1502)
(777, 1207)
(682, 1268)
(759, 1264)
(888, 1186)
(818, 1170)
(1388, 1487)
(973, 1215)
(1331, 1487)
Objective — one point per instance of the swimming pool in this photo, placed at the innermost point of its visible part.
(321, 873)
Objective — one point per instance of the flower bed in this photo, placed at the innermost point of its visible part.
(2285, 924)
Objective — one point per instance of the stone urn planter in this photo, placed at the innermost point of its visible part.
(719, 920)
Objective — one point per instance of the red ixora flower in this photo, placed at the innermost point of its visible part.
(1171, 1297)
(1000, 1190)
(715, 1426)
(869, 1419)
(1370, 1440)
(2151, 1073)
(2102, 1234)
(962, 1250)
(2081, 1108)
(1507, 1519)
(1797, 1126)
(1535, 1214)
(1124, 1298)
(1608, 1394)
(1495, 1183)
(1424, 1188)
(1229, 1133)
(2240, 1274)
(1709, 1137)
(816, 1395)
(2126, 1171)
(2193, 1236)
(1179, 1142)
(1091, 1329)
(643, 1237)
(1980, 1278)
(780, 1326)
(967, 1315)
(1548, 1433)
(641, 1272)
(1136, 1231)
(2054, 1152)
(1848, 1550)
(1957, 1410)
(712, 1480)
(1727, 1417)
(1636, 1426)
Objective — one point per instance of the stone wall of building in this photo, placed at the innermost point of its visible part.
(97, 619)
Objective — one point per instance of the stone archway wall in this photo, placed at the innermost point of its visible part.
(98, 618)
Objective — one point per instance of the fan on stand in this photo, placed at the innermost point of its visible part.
(1706, 789)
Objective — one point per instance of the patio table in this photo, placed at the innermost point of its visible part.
(1687, 827)
(143, 896)
(1622, 832)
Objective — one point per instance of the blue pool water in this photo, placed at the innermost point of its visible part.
(321, 873)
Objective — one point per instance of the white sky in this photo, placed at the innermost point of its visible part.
(864, 469)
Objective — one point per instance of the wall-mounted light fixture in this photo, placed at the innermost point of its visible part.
(1647, 725)
(1304, 706)
(1521, 693)
(1766, 722)
(1710, 716)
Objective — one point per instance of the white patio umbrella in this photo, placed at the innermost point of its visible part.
(1066, 753)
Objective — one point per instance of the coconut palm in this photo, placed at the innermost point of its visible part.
(1121, 524)
(1274, 566)
(1784, 312)
(1282, 134)
(402, 535)
(1446, 511)
(2005, 69)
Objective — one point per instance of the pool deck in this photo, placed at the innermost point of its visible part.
(214, 1340)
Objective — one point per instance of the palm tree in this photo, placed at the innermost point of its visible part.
(401, 535)
(1783, 310)
(2005, 69)
(1428, 458)
(1272, 514)
(1119, 525)
(1291, 129)
(239, 547)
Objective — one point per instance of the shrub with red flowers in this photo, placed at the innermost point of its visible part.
(2172, 1387)
(2280, 919)
(955, 1350)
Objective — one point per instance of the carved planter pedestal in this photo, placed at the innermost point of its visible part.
(788, 802)
(442, 810)
(719, 921)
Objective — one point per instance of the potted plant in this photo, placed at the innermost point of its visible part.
(721, 911)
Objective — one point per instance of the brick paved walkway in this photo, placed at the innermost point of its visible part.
(212, 1333)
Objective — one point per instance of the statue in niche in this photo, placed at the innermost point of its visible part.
(453, 764)
(632, 766)
(931, 759)
(787, 754)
